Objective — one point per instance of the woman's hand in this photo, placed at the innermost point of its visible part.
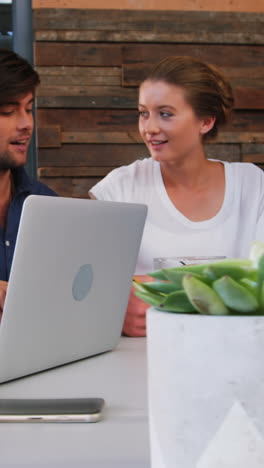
(135, 320)
(3, 289)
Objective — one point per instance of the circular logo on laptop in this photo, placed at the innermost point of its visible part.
(82, 282)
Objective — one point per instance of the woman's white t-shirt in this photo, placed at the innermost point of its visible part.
(169, 233)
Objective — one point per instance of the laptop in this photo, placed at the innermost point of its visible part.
(70, 281)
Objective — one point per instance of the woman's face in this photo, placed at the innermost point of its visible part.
(167, 123)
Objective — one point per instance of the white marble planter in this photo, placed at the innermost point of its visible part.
(206, 390)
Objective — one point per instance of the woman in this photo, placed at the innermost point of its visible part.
(196, 206)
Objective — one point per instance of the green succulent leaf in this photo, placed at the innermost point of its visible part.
(237, 272)
(260, 281)
(160, 287)
(235, 296)
(178, 302)
(203, 297)
(158, 274)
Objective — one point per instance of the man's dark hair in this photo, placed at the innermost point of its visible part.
(17, 76)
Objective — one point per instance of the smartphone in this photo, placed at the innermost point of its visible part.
(51, 410)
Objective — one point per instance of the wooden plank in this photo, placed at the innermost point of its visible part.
(49, 136)
(84, 90)
(89, 119)
(249, 75)
(115, 97)
(85, 72)
(220, 55)
(86, 96)
(80, 171)
(223, 152)
(199, 37)
(192, 25)
(240, 137)
(253, 148)
(91, 155)
(108, 19)
(253, 158)
(122, 120)
(54, 82)
(249, 98)
(133, 74)
(111, 19)
(97, 76)
(71, 187)
(101, 137)
(246, 121)
(86, 102)
(253, 152)
(68, 54)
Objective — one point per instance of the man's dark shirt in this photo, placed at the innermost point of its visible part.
(23, 186)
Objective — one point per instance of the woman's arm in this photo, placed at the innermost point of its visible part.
(135, 319)
(3, 289)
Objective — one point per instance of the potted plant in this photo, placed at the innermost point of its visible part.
(205, 344)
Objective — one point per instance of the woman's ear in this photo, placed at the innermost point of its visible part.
(207, 124)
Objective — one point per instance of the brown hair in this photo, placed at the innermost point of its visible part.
(17, 76)
(207, 90)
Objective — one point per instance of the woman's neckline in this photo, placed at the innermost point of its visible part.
(218, 217)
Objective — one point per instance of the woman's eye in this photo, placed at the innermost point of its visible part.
(143, 114)
(29, 111)
(165, 114)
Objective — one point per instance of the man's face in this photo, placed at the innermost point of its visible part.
(16, 127)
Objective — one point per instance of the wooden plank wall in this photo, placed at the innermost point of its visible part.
(91, 62)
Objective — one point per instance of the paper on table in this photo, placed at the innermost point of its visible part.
(237, 443)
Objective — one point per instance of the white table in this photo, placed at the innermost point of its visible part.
(119, 440)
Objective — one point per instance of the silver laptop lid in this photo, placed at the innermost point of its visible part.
(70, 281)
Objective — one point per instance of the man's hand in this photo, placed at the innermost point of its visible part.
(135, 320)
(3, 289)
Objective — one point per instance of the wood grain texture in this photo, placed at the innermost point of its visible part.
(98, 155)
(83, 54)
(252, 76)
(53, 137)
(80, 76)
(99, 120)
(188, 5)
(80, 171)
(171, 26)
(111, 97)
(253, 153)
(103, 97)
(254, 158)
(201, 37)
(101, 137)
(218, 54)
(49, 137)
(76, 187)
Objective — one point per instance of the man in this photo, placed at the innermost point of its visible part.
(18, 82)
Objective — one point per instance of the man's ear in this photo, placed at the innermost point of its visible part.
(207, 124)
